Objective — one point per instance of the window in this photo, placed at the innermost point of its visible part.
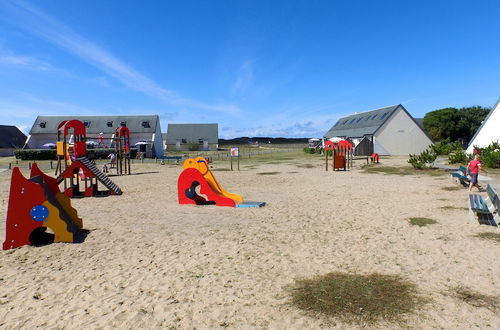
(184, 141)
(359, 119)
(200, 141)
(123, 124)
(368, 118)
(345, 121)
(109, 124)
(86, 124)
(384, 115)
(352, 121)
(145, 124)
(43, 124)
(374, 116)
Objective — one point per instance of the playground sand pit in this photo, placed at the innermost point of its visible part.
(148, 262)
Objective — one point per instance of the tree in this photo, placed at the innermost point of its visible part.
(454, 124)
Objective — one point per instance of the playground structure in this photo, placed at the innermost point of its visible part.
(73, 166)
(196, 173)
(36, 204)
(122, 148)
(342, 156)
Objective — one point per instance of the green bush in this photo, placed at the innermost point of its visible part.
(35, 154)
(424, 160)
(457, 157)
(193, 146)
(490, 156)
(445, 147)
(311, 151)
(48, 154)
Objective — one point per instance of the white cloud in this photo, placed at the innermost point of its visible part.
(244, 77)
(26, 16)
(25, 61)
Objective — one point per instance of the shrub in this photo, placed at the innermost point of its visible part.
(457, 157)
(445, 147)
(35, 154)
(48, 154)
(193, 146)
(424, 160)
(490, 156)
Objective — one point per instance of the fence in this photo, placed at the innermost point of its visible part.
(245, 153)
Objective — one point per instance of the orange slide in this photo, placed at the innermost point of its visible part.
(201, 165)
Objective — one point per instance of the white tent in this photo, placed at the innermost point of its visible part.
(489, 131)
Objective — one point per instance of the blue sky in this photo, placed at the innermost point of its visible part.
(258, 68)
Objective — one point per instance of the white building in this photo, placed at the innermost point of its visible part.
(391, 130)
(143, 128)
(489, 131)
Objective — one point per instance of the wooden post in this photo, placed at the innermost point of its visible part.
(239, 162)
(10, 166)
(231, 162)
(326, 160)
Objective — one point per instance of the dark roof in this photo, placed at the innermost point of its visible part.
(484, 122)
(192, 132)
(362, 123)
(420, 122)
(97, 124)
(11, 137)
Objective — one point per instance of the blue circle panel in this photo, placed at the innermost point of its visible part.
(39, 213)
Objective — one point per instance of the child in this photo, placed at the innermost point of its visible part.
(473, 170)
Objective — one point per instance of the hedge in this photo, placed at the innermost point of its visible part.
(47, 154)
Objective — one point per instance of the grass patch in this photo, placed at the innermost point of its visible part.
(305, 165)
(477, 299)
(268, 173)
(490, 236)
(451, 188)
(406, 170)
(421, 222)
(356, 298)
(449, 207)
(220, 169)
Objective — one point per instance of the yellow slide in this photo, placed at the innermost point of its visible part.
(201, 165)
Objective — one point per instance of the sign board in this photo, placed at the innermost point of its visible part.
(235, 152)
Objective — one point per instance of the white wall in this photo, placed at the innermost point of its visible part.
(400, 135)
(489, 132)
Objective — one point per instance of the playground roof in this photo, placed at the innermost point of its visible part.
(192, 132)
(11, 137)
(362, 123)
(97, 124)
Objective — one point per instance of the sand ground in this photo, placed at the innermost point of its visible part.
(151, 263)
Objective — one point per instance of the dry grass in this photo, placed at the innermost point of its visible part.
(421, 222)
(361, 299)
(268, 173)
(450, 207)
(477, 299)
(490, 236)
(453, 188)
(305, 165)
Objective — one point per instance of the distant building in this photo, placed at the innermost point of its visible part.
(11, 138)
(184, 136)
(489, 131)
(390, 130)
(145, 131)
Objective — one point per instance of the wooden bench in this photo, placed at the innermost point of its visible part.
(485, 210)
(461, 176)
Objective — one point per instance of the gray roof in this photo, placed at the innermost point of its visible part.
(362, 123)
(99, 124)
(11, 137)
(192, 132)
